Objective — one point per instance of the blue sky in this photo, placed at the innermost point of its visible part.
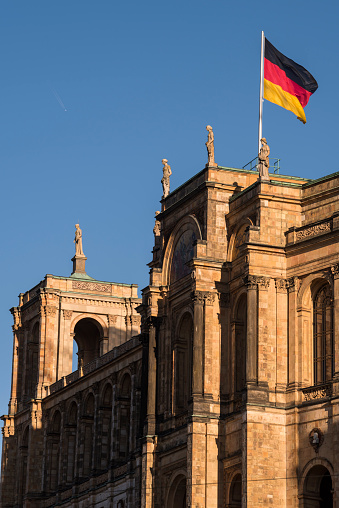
(140, 82)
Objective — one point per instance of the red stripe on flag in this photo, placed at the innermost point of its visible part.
(277, 76)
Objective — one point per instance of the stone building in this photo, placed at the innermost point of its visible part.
(226, 396)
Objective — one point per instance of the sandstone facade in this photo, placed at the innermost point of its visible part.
(225, 394)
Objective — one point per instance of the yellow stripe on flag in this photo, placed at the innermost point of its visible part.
(274, 93)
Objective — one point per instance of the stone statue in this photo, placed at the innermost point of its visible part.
(264, 162)
(78, 241)
(166, 178)
(210, 146)
(157, 225)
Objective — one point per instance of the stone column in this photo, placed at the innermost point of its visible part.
(17, 335)
(251, 282)
(149, 444)
(198, 298)
(282, 334)
(65, 361)
(293, 349)
(152, 375)
(226, 339)
(112, 455)
(335, 273)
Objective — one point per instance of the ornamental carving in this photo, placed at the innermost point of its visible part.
(135, 320)
(335, 270)
(313, 230)
(91, 286)
(293, 284)
(281, 284)
(255, 281)
(49, 310)
(67, 314)
(112, 320)
(201, 297)
(317, 392)
(316, 438)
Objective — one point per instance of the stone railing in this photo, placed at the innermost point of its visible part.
(95, 364)
(317, 392)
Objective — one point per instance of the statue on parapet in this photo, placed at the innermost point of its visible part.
(78, 241)
(264, 162)
(166, 178)
(210, 147)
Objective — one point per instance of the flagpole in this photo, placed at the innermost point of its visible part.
(261, 98)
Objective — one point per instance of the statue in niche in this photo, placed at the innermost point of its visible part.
(78, 241)
(264, 162)
(166, 178)
(210, 146)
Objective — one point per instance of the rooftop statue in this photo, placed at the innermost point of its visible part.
(78, 241)
(166, 178)
(210, 146)
(264, 162)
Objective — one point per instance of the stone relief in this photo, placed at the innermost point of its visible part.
(157, 225)
(91, 286)
(317, 392)
(313, 230)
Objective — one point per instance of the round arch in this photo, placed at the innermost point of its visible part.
(235, 490)
(88, 334)
(315, 489)
(310, 285)
(188, 223)
(176, 496)
(237, 233)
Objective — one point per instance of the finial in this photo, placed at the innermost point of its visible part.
(166, 178)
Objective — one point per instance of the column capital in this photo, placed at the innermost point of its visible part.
(335, 271)
(257, 281)
(203, 297)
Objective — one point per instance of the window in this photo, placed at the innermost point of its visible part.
(323, 335)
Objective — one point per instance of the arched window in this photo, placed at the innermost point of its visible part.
(235, 492)
(87, 435)
(124, 417)
(32, 362)
(182, 357)
(104, 434)
(71, 432)
(317, 490)
(323, 335)
(87, 335)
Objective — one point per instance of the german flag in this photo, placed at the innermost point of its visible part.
(287, 83)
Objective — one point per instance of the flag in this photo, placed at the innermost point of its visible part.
(287, 83)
